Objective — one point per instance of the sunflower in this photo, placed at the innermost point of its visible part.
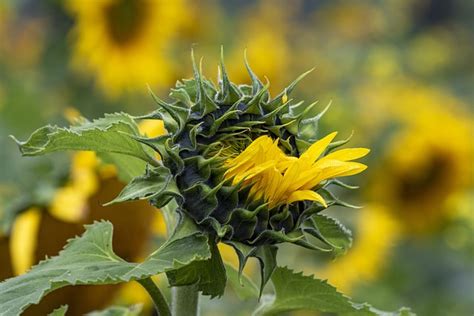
(427, 161)
(124, 42)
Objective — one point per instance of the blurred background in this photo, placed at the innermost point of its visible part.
(399, 75)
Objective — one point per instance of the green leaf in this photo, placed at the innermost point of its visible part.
(133, 310)
(241, 284)
(111, 134)
(330, 231)
(89, 259)
(127, 167)
(294, 291)
(60, 311)
(157, 183)
(209, 275)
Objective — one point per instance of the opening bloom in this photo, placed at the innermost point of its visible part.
(280, 179)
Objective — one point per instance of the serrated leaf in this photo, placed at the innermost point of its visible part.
(89, 259)
(111, 134)
(60, 311)
(157, 182)
(295, 291)
(209, 275)
(241, 284)
(331, 232)
(133, 310)
(127, 167)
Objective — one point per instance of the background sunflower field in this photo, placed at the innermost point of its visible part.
(400, 73)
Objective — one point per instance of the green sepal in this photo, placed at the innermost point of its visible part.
(228, 93)
(179, 113)
(287, 91)
(158, 184)
(266, 255)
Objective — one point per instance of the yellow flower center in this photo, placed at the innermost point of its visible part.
(281, 179)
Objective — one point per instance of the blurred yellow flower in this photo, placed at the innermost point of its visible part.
(376, 232)
(125, 43)
(264, 32)
(24, 230)
(427, 162)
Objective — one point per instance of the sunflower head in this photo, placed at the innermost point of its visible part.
(249, 168)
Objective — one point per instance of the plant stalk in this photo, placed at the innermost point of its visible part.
(159, 300)
(185, 300)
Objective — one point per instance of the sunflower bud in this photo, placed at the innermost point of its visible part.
(248, 168)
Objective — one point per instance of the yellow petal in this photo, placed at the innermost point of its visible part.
(306, 195)
(316, 149)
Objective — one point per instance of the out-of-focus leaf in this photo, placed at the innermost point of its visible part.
(89, 259)
(60, 311)
(133, 310)
(242, 285)
(294, 291)
(111, 134)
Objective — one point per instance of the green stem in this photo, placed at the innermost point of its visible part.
(185, 300)
(158, 299)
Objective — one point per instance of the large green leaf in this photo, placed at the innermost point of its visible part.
(89, 259)
(209, 275)
(127, 167)
(294, 291)
(110, 134)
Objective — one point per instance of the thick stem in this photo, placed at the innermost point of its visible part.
(159, 300)
(185, 300)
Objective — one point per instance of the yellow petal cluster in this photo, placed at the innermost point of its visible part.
(281, 179)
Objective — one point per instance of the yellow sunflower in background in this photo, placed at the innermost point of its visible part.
(125, 43)
(376, 232)
(427, 162)
(264, 32)
(421, 182)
